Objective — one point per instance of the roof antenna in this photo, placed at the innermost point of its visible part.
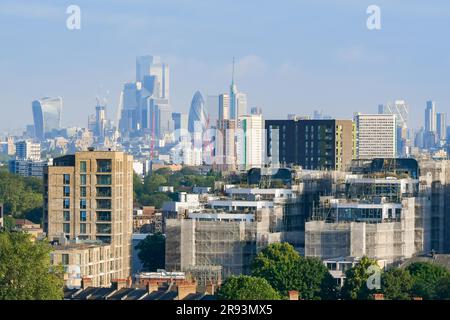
(232, 74)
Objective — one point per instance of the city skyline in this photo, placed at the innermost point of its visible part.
(271, 67)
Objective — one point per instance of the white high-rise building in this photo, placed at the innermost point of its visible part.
(430, 117)
(375, 136)
(224, 107)
(28, 150)
(249, 146)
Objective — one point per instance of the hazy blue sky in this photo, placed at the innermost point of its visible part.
(292, 56)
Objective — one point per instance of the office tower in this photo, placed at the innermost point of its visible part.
(376, 136)
(198, 116)
(224, 107)
(89, 197)
(249, 146)
(47, 115)
(430, 117)
(28, 150)
(92, 123)
(312, 144)
(441, 125)
(180, 125)
(10, 146)
(152, 66)
(400, 109)
(100, 120)
(225, 145)
(212, 109)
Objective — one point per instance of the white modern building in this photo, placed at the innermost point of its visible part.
(250, 141)
(376, 136)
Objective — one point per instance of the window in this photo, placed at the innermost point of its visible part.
(103, 216)
(65, 259)
(83, 228)
(104, 179)
(66, 191)
(66, 215)
(104, 204)
(66, 179)
(104, 165)
(83, 166)
(66, 227)
(83, 179)
(83, 216)
(104, 192)
(66, 203)
(83, 204)
(103, 228)
(83, 192)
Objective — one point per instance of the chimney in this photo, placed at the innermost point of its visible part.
(86, 282)
(378, 296)
(293, 295)
(119, 283)
(185, 289)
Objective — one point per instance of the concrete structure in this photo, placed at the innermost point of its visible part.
(85, 259)
(380, 231)
(89, 196)
(376, 136)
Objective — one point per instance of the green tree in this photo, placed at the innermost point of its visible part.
(285, 270)
(25, 270)
(355, 285)
(152, 252)
(314, 281)
(20, 195)
(397, 284)
(443, 288)
(277, 263)
(247, 288)
(426, 276)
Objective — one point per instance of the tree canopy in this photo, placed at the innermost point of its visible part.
(355, 285)
(426, 277)
(22, 197)
(25, 270)
(247, 288)
(397, 284)
(152, 252)
(284, 269)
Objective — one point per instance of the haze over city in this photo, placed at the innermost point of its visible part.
(294, 57)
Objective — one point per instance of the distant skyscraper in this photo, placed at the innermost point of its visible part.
(198, 116)
(47, 115)
(376, 136)
(224, 107)
(28, 150)
(152, 66)
(100, 120)
(400, 109)
(180, 124)
(430, 117)
(238, 101)
(441, 125)
(212, 108)
(249, 147)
